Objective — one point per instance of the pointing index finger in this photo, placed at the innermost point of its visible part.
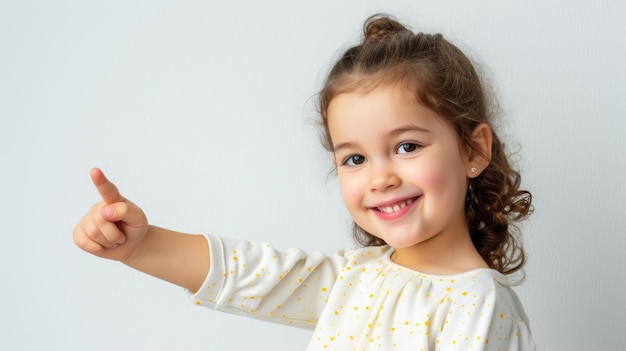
(108, 191)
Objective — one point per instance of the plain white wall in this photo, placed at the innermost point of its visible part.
(203, 113)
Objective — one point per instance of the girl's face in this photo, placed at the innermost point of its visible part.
(402, 173)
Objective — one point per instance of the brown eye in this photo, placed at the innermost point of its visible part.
(407, 148)
(354, 160)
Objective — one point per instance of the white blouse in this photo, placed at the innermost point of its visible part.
(361, 300)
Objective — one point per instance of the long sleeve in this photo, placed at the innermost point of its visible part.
(288, 287)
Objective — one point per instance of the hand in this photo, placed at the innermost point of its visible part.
(113, 228)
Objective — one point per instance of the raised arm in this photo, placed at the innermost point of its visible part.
(117, 229)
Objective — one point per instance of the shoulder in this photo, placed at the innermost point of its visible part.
(481, 305)
(490, 289)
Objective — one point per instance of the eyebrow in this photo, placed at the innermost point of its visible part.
(391, 134)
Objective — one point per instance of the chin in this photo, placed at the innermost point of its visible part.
(402, 242)
(404, 239)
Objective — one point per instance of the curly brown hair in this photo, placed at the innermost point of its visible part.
(443, 79)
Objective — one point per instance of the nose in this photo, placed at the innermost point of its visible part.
(383, 177)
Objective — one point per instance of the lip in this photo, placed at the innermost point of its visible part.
(394, 209)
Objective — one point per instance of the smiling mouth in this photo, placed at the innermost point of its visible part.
(397, 207)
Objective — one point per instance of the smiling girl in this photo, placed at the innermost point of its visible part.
(404, 177)
(433, 197)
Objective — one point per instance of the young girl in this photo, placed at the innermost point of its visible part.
(432, 195)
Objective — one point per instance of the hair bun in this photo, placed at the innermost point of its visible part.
(380, 26)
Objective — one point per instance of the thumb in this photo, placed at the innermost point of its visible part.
(108, 191)
(126, 212)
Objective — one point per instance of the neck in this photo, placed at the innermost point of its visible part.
(445, 253)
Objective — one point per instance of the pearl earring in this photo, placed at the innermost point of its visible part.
(473, 169)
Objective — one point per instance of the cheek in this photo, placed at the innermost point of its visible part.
(442, 179)
(431, 177)
(349, 191)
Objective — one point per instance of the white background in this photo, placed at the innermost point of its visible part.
(203, 113)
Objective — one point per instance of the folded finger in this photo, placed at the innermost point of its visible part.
(126, 212)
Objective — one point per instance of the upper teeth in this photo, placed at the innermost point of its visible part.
(396, 207)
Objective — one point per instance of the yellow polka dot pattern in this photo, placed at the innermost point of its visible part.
(361, 300)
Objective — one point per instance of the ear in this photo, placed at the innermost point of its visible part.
(479, 155)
